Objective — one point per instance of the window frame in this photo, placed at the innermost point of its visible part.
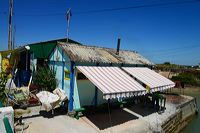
(65, 73)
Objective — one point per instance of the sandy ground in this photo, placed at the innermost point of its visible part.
(64, 124)
(58, 124)
(130, 119)
(41, 121)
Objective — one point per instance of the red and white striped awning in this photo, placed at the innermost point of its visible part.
(153, 80)
(112, 81)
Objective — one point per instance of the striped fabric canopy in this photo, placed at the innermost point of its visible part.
(153, 80)
(112, 81)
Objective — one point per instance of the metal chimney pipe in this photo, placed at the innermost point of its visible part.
(118, 46)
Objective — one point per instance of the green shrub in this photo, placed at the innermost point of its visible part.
(45, 79)
(189, 78)
(3, 80)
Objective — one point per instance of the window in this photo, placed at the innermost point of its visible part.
(81, 76)
(67, 75)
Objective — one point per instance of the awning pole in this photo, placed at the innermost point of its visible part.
(109, 113)
(63, 71)
(71, 100)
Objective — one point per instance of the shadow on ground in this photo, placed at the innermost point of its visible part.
(103, 120)
(142, 110)
(57, 112)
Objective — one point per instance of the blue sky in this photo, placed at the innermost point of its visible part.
(160, 33)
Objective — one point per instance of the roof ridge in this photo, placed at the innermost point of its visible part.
(93, 46)
(98, 55)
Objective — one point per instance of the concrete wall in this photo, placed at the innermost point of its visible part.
(181, 118)
(188, 109)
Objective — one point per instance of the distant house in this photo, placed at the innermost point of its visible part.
(92, 75)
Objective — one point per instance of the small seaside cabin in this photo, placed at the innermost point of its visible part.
(93, 75)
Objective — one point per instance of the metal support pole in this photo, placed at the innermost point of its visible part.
(63, 71)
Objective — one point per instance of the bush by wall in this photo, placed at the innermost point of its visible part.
(45, 79)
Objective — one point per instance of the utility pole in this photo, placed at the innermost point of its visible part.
(13, 35)
(10, 26)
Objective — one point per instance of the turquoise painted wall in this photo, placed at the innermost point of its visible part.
(76, 94)
(56, 56)
(58, 70)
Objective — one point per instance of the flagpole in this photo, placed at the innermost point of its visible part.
(68, 30)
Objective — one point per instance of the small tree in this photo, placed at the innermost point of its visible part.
(45, 79)
(167, 63)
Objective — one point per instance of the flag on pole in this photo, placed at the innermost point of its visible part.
(69, 14)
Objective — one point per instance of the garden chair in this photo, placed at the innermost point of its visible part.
(61, 94)
(17, 96)
(50, 101)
